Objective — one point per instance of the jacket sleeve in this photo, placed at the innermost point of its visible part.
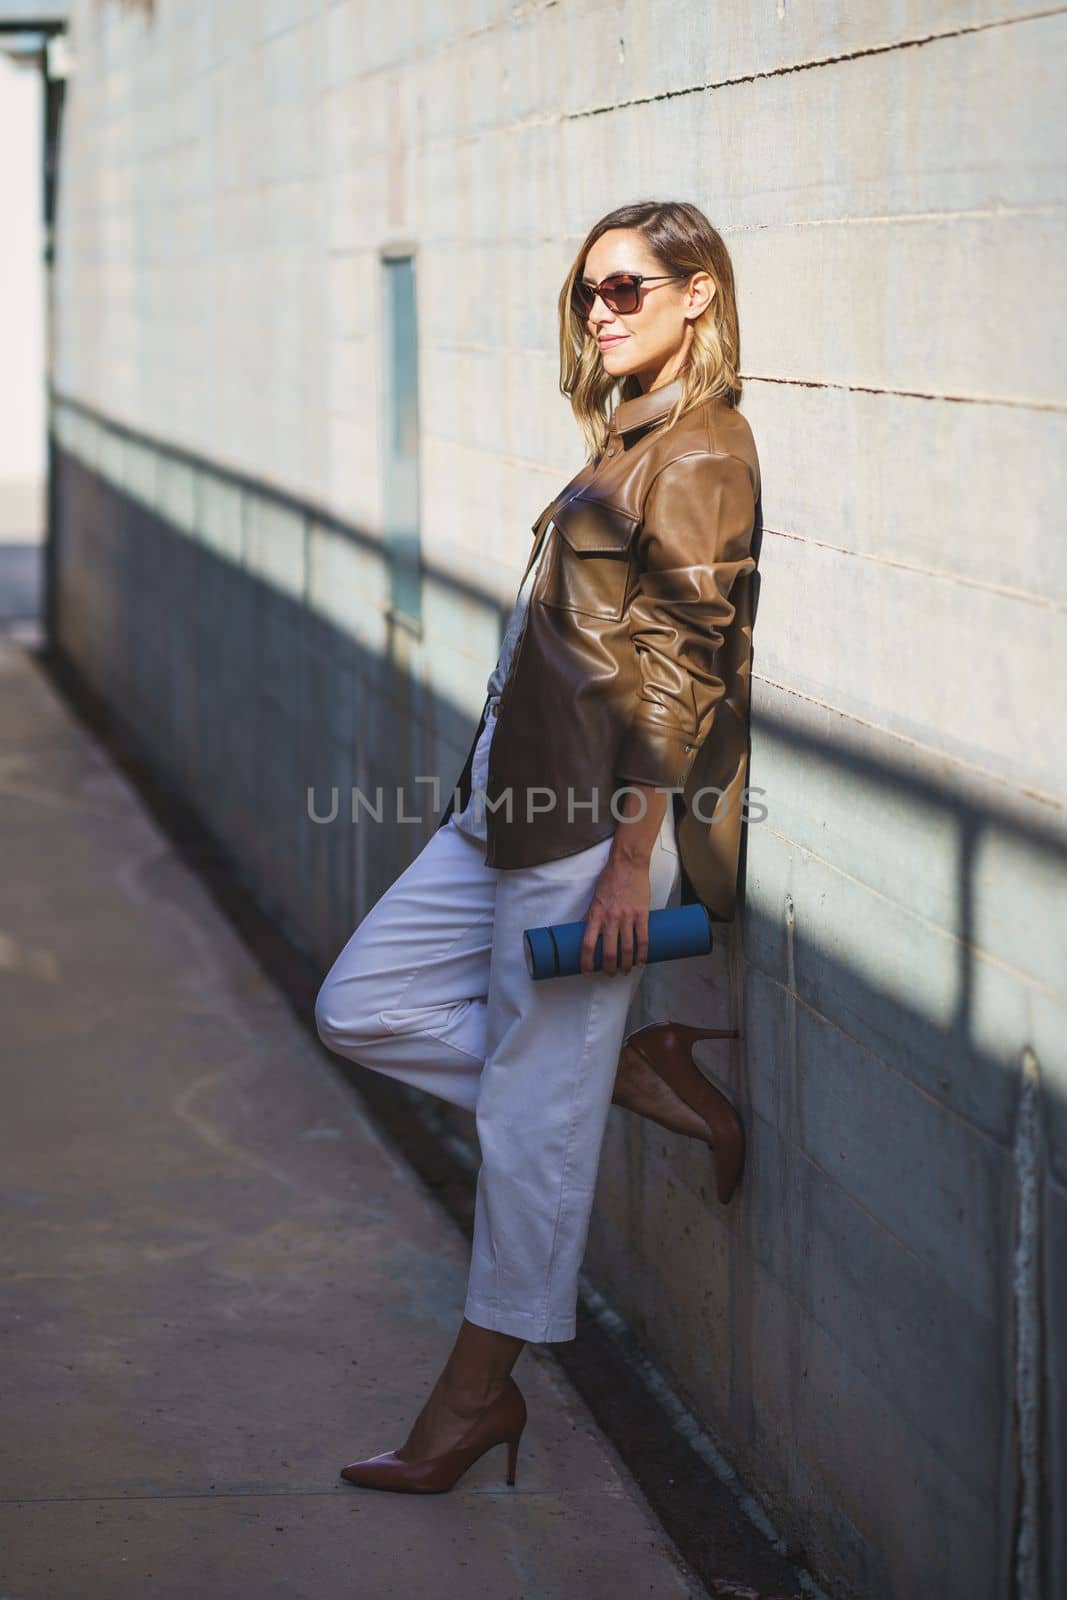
(694, 540)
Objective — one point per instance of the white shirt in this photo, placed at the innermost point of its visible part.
(471, 820)
(495, 682)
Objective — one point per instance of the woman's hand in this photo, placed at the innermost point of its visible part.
(623, 892)
(619, 910)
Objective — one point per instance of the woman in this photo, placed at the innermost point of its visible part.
(608, 682)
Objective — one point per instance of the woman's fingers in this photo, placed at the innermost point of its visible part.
(633, 941)
(610, 959)
(641, 939)
(625, 936)
(598, 923)
(589, 939)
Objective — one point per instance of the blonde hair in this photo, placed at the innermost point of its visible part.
(683, 241)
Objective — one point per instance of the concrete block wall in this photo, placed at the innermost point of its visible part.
(22, 342)
(875, 1329)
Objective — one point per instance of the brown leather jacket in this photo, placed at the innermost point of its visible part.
(633, 659)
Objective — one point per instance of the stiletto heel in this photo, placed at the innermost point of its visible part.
(501, 1422)
(667, 1047)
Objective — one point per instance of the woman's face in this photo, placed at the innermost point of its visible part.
(652, 343)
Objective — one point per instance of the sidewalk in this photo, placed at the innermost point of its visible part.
(218, 1284)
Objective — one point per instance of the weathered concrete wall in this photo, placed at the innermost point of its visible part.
(876, 1328)
(22, 341)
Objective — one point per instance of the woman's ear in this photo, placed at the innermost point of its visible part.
(700, 294)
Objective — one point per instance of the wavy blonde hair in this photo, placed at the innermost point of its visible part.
(683, 241)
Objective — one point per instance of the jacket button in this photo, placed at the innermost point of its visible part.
(610, 451)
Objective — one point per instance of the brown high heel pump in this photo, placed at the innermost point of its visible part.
(501, 1422)
(667, 1047)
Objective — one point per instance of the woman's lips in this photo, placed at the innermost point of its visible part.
(618, 339)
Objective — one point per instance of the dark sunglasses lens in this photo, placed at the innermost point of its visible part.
(621, 293)
(583, 297)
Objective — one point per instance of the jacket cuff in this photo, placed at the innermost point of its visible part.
(656, 755)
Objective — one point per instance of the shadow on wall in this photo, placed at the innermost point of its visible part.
(206, 656)
(21, 581)
(881, 1067)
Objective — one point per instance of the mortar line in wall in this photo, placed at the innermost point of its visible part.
(975, 951)
(783, 224)
(1025, 792)
(1050, 208)
(951, 1111)
(877, 559)
(521, 13)
(973, 1307)
(815, 62)
(1055, 406)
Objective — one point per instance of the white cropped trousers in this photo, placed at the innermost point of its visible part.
(432, 989)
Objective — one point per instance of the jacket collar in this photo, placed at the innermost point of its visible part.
(645, 408)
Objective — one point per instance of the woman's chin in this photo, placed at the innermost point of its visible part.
(615, 362)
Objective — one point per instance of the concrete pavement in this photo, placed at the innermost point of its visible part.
(217, 1283)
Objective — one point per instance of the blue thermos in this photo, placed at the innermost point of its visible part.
(555, 952)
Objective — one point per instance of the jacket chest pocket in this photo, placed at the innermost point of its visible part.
(588, 561)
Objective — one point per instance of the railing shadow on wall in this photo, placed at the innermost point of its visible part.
(216, 644)
(214, 648)
(198, 603)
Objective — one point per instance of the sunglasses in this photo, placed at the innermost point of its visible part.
(620, 292)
